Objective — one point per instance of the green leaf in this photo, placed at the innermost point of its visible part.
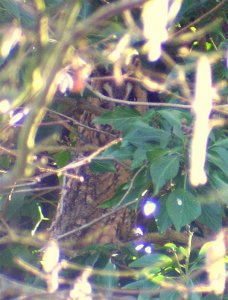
(183, 208)
(170, 294)
(62, 158)
(15, 206)
(109, 280)
(121, 118)
(8, 255)
(141, 133)
(5, 161)
(153, 261)
(193, 296)
(119, 152)
(102, 166)
(138, 284)
(222, 152)
(211, 216)
(144, 284)
(162, 170)
(156, 152)
(140, 156)
(148, 285)
(162, 219)
(204, 249)
(173, 118)
(213, 297)
(218, 157)
(11, 7)
(218, 181)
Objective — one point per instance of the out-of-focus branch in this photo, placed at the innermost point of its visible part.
(45, 93)
(43, 89)
(210, 12)
(171, 236)
(104, 13)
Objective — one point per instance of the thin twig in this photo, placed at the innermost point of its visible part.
(78, 123)
(130, 186)
(86, 160)
(137, 103)
(95, 220)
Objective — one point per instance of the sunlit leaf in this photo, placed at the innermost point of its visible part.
(151, 260)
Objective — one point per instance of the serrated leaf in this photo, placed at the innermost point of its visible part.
(141, 133)
(121, 118)
(183, 208)
(163, 170)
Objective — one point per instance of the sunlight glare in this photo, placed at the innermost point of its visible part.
(50, 257)
(4, 106)
(18, 116)
(149, 208)
(139, 231)
(148, 249)
(202, 106)
(139, 247)
(10, 40)
(154, 18)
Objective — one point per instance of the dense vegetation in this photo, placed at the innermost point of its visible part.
(51, 51)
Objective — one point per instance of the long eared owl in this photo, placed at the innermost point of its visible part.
(79, 202)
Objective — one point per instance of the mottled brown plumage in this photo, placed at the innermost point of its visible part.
(79, 203)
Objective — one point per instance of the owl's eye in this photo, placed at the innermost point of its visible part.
(107, 89)
(113, 90)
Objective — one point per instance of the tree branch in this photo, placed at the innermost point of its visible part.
(137, 103)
